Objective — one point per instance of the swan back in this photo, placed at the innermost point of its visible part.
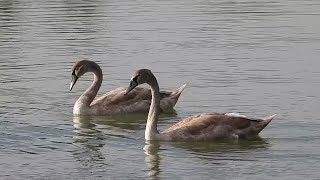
(211, 127)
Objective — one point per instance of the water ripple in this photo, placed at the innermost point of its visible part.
(253, 57)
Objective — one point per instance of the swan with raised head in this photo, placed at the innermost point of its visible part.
(203, 127)
(115, 102)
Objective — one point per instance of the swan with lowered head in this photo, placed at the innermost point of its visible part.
(115, 102)
(203, 127)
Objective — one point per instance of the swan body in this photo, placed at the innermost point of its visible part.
(114, 102)
(203, 127)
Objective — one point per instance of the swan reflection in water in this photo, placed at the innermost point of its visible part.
(206, 152)
(91, 132)
(89, 141)
(152, 159)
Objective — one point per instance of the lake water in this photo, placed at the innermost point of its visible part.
(253, 57)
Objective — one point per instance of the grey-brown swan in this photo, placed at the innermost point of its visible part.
(203, 127)
(115, 102)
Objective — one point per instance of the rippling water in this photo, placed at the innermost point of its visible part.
(252, 57)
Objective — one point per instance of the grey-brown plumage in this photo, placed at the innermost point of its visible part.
(115, 102)
(204, 127)
(207, 127)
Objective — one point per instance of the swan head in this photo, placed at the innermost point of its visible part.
(79, 69)
(141, 76)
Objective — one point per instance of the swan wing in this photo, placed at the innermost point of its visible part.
(138, 100)
(214, 127)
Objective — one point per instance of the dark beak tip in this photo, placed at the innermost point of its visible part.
(74, 79)
(132, 85)
(127, 92)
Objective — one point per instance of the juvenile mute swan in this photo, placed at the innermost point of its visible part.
(114, 102)
(203, 127)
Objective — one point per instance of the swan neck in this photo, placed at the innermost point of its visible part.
(151, 132)
(88, 96)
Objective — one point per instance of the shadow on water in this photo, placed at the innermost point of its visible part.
(207, 151)
(205, 148)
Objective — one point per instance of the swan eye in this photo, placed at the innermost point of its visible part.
(74, 70)
(136, 78)
(131, 83)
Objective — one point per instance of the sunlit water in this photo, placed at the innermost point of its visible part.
(252, 57)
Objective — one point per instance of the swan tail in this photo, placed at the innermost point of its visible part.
(176, 93)
(174, 96)
(265, 121)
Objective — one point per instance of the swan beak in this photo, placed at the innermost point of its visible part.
(132, 85)
(74, 79)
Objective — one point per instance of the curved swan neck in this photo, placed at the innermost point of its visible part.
(151, 132)
(88, 96)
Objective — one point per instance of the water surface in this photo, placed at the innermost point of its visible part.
(253, 57)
